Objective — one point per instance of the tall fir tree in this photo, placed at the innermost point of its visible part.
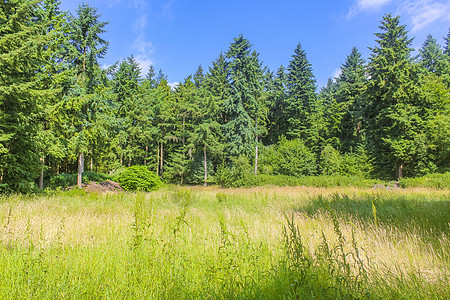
(395, 112)
(447, 44)
(302, 108)
(90, 46)
(350, 87)
(276, 103)
(23, 52)
(431, 57)
(244, 103)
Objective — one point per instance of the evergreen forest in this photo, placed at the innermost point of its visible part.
(386, 116)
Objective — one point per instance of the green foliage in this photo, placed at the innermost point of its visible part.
(290, 158)
(236, 175)
(324, 181)
(439, 181)
(330, 161)
(138, 178)
(64, 180)
(196, 171)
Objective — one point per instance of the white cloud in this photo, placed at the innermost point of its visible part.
(173, 85)
(336, 73)
(167, 7)
(143, 48)
(365, 5)
(144, 62)
(424, 12)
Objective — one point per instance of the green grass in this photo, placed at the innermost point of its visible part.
(210, 243)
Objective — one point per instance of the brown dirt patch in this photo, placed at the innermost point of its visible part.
(99, 187)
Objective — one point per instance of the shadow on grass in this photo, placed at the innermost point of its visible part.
(420, 214)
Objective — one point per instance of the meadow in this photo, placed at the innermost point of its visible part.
(213, 243)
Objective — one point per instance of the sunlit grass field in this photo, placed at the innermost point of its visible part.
(213, 243)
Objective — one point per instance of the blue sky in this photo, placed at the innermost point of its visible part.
(179, 35)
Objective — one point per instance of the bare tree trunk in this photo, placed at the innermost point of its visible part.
(256, 149)
(157, 162)
(206, 165)
(91, 167)
(162, 159)
(80, 169)
(41, 177)
(399, 170)
(256, 157)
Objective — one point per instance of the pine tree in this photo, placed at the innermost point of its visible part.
(350, 87)
(394, 111)
(244, 106)
(86, 38)
(217, 88)
(277, 103)
(431, 56)
(302, 109)
(447, 44)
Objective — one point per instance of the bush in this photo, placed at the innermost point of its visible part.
(316, 181)
(236, 175)
(290, 158)
(330, 161)
(62, 180)
(439, 181)
(139, 178)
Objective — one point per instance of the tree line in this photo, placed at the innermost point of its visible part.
(387, 116)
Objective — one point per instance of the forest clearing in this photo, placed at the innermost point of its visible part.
(214, 243)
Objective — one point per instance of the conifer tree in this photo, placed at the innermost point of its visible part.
(277, 102)
(302, 108)
(23, 54)
(244, 105)
(394, 111)
(90, 46)
(431, 56)
(350, 87)
(447, 44)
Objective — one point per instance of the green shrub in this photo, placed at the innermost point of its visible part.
(94, 177)
(288, 157)
(330, 161)
(139, 178)
(435, 180)
(316, 181)
(357, 163)
(238, 174)
(62, 180)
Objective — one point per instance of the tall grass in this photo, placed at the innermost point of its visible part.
(266, 243)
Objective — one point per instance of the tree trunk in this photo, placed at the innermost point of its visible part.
(80, 169)
(256, 157)
(157, 162)
(91, 167)
(256, 149)
(162, 159)
(41, 177)
(206, 166)
(399, 170)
